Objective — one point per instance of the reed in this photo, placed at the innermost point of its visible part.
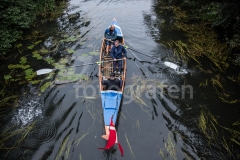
(162, 154)
(130, 148)
(68, 149)
(235, 135)
(171, 148)
(81, 138)
(62, 147)
(138, 125)
(80, 156)
(136, 89)
(16, 136)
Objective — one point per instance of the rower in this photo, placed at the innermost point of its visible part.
(112, 83)
(110, 35)
(118, 52)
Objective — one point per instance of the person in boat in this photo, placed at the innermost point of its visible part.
(118, 52)
(112, 83)
(110, 35)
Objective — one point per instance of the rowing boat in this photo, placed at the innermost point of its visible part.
(111, 99)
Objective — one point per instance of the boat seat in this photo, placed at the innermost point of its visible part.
(107, 58)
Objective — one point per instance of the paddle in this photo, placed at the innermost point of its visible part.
(48, 70)
(131, 49)
(137, 51)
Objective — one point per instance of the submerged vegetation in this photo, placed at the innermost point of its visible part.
(214, 132)
(207, 34)
(20, 65)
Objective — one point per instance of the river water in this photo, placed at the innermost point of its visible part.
(65, 122)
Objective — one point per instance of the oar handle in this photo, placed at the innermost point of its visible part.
(131, 49)
(94, 63)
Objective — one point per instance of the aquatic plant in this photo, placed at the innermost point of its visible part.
(130, 148)
(170, 149)
(15, 136)
(79, 140)
(45, 86)
(208, 125)
(136, 89)
(36, 55)
(62, 147)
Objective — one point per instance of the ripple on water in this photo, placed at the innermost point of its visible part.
(28, 111)
(30, 106)
(44, 131)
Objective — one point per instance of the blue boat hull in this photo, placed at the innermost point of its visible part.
(110, 104)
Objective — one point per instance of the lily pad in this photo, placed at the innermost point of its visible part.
(70, 51)
(7, 77)
(44, 51)
(23, 60)
(36, 55)
(45, 86)
(82, 43)
(31, 47)
(34, 44)
(25, 66)
(78, 36)
(49, 60)
(19, 45)
(63, 61)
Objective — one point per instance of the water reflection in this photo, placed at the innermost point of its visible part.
(152, 125)
(187, 120)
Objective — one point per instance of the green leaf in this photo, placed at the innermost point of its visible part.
(31, 47)
(34, 44)
(45, 86)
(23, 60)
(63, 61)
(19, 45)
(78, 36)
(44, 51)
(49, 60)
(35, 81)
(70, 51)
(7, 77)
(36, 55)
(25, 66)
(82, 43)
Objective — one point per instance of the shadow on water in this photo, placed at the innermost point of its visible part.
(204, 122)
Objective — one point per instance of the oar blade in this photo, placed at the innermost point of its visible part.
(44, 71)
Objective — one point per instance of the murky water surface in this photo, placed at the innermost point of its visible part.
(65, 122)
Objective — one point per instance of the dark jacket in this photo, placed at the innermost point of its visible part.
(114, 84)
(110, 34)
(118, 52)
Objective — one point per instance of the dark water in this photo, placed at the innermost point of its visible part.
(67, 120)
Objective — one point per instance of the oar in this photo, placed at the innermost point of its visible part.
(137, 51)
(48, 70)
(131, 49)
